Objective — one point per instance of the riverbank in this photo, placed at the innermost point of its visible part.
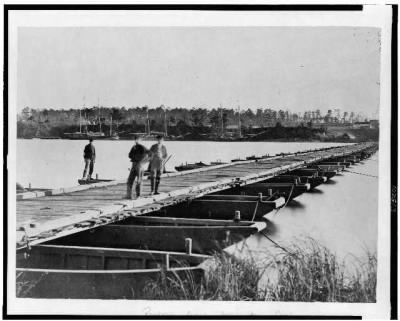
(305, 271)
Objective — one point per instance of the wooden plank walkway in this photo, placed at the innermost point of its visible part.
(47, 215)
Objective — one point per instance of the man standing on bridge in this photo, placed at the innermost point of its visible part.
(139, 156)
(89, 155)
(159, 155)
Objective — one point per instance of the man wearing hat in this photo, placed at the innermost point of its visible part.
(89, 155)
(139, 156)
(158, 157)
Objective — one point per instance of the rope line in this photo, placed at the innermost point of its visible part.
(276, 244)
(255, 211)
(287, 201)
(369, 175)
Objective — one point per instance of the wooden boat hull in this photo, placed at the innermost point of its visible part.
(73, 257)
(161, 238)
(329, 168)
(224, 209)
(311, 176)
(338, 164)
(313, 180)
(54, 271)
(75, 284)
(292, 179)
(327, 173)
(187, 167)
(92, 181)
(350, 159)
(285, 190)
(314, 171)
(149, 219)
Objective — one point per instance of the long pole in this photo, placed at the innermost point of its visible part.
(165, 162)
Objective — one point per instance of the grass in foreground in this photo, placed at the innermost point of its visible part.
(306, 271)
(311, 272)
(229, 279)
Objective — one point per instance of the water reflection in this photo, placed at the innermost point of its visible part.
(271, 228)
(295, 204)
(331, 182)
(316, 191)
(341, 215)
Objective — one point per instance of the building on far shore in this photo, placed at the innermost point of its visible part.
(361, 124)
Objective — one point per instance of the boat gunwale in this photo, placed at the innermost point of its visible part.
(125, 250)
(274, 202)
(130, 271)
(191, 227)
(196, 221)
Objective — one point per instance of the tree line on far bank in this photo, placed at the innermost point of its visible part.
(195, 123)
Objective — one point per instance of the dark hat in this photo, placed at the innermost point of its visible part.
(90, 139)
(160, 136)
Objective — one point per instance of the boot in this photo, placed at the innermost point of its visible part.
(152, 185)
(84, 174)
(138, 190)
(156, 186)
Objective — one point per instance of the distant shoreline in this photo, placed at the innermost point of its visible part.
(211, 140)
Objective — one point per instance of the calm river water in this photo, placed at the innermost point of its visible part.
(341, 215)
(59, 163)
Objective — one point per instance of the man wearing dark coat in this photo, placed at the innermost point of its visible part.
(89, 155)
(139, 156)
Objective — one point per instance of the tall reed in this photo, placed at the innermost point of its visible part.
(304, 271)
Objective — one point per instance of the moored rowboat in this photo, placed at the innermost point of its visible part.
(54, 271)
(205, 239)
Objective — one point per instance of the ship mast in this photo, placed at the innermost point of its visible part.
(239, 123)
(80, 121)
(38, 127)
(98, 106)
(84, 108)
(222, 121)
(111, 126)
(165, 121)
(148, 122)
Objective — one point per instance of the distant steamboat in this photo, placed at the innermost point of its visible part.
(90, 134)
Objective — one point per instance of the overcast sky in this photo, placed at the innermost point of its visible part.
(295, 68)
